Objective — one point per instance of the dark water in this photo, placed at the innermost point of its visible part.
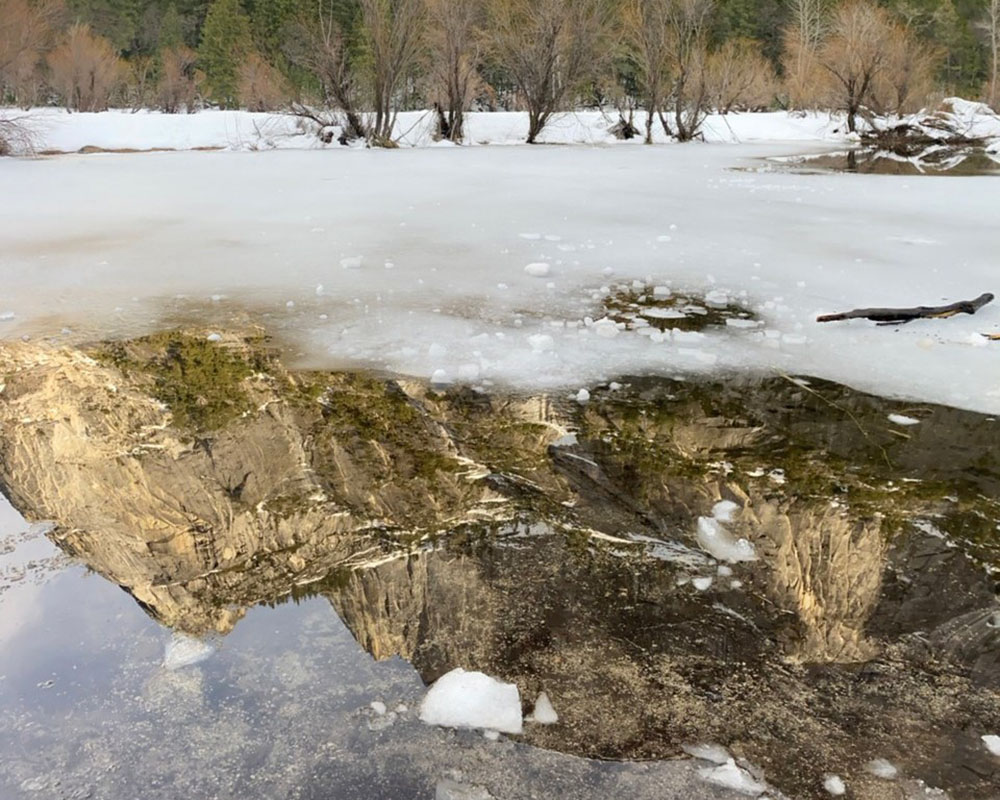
(866, 626)
(947, 162)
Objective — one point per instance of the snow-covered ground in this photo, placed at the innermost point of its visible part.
(58, 130)
(413, 260)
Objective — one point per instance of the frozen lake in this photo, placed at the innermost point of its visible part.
(413, 261)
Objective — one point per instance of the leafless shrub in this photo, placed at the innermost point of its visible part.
(16, 136)
(739, 76)
(85, 69)
(261, 86)
(177, 89)
(551, 49)
(26, 31)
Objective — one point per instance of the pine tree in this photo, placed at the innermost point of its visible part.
(225, 44)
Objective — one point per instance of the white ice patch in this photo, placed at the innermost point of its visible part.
(6, 316)
(703, 583)
(463, 699)
(721, 545)
(544, 713)
(732, 777)
(883, 769)
(537, 269)
(992, 743)
(834, 785)
(183, 651)
(723, 510)
(715, 753)
(902, 419)
(352, 262)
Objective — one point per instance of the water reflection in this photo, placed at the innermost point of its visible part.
(941, 161)
(555, 545)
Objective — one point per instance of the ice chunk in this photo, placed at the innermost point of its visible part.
(723, 510)
(902, 419)
(540, 342)
(183, 651)
(214, 337)
(992, 743)
(715, 753)
(537, 269)
(463, 699)
(702, 584)
(716, 541)
(544, 713)
(6, 316)
(881, 768)
(378, 707)
(834, 785)
(605, 328)
(583, 397)
(732, 777)
(351, 262)
(717, 298)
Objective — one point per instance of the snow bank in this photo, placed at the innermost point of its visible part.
(461, 699)
(60, 131)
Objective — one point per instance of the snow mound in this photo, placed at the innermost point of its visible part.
(463, 699)
(183, 651)
(732, 777)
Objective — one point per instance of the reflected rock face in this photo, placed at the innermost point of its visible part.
(550, 544)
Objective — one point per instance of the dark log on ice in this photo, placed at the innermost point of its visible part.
(891, 316)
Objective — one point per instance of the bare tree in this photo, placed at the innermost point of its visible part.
(393, 32)
(550, 49)
(650, 48)
(739, 76)
(855, 54)
(261, 86)
(802, 39)
(454, 45)
(85, 69)
(16, 136)
(688, 28)
(321, 44)
(907, 79)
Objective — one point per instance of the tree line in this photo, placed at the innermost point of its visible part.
(660, 63)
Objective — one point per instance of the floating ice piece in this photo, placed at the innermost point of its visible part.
(663, 313)
(6, 316)
(718, 543)
(992, 743)
(378, 707)
(736, 322)
(834, 785)
(717, 298)
(214, 337)
(881, 768)
(703, 583)
(351, 262)
(902, 419)
(723, 510)
(544, 713)
(732, 777)
(183, 651)
(715, 753)
(664, 238)
(463, 699)
(583, 397)
(661, 291)
(605, 327)
(537, 269)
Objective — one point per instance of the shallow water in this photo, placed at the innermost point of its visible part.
(947, 162)
(567, 561)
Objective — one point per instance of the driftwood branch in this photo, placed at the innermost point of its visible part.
(891, 316)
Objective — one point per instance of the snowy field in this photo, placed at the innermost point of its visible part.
(413, 260)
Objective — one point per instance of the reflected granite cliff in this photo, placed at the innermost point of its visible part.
(773, 564)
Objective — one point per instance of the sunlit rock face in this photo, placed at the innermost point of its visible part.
(552, 544)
